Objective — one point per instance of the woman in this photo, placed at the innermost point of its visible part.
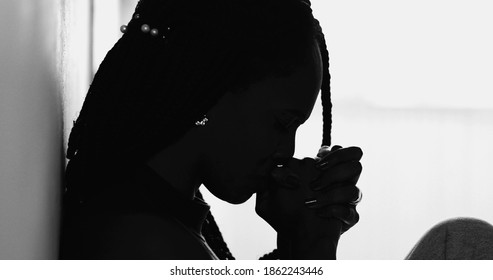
(206, 93)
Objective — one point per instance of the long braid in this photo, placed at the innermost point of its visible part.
(214, 238)
(325, 95)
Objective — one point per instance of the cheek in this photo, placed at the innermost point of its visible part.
(247, 143)
(233, 172)
(241, 153)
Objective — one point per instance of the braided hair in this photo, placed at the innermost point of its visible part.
(158, 80)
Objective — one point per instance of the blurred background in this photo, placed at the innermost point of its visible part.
(411, 85)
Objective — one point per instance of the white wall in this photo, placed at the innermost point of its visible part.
(30, 130)
(74, 57)
(44, 75)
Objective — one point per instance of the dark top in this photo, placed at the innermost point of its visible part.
(133, 215)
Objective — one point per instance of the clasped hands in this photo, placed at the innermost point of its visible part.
(311, 202)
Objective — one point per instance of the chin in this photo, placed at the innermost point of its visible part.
(234, 192)
(239, 199)
(235, 198)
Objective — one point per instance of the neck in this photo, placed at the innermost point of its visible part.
(178, 164)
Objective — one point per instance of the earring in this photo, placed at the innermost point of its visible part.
(202, 122)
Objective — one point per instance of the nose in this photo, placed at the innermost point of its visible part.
(285, 148)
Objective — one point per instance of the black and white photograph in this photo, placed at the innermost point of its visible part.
(307, 130)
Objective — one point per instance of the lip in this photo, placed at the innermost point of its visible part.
(263, 176)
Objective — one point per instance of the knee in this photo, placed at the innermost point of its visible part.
(457, 238)
(463, 225)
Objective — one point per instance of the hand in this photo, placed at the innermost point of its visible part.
(332, 177)
(282, 205)
(336, 191)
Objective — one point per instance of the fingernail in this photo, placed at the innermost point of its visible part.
(311, 203)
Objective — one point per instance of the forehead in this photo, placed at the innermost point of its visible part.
(297, 92)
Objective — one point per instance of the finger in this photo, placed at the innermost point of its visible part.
(326, 150)
(347, 173)
(340, 155)
(350, 195)
(284, 177)
(346, 213)
(335, 148)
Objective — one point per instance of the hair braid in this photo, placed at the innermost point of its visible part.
(213, 236)
(325, 95)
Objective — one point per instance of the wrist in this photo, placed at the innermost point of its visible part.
(320, 243)
(318, 249)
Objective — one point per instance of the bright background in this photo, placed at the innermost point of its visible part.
(411, 84)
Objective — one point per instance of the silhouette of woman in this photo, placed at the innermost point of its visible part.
(206, 92)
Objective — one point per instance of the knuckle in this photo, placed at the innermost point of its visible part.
(360, 152)
(355, 192)
(356, 217)
(358, 167)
